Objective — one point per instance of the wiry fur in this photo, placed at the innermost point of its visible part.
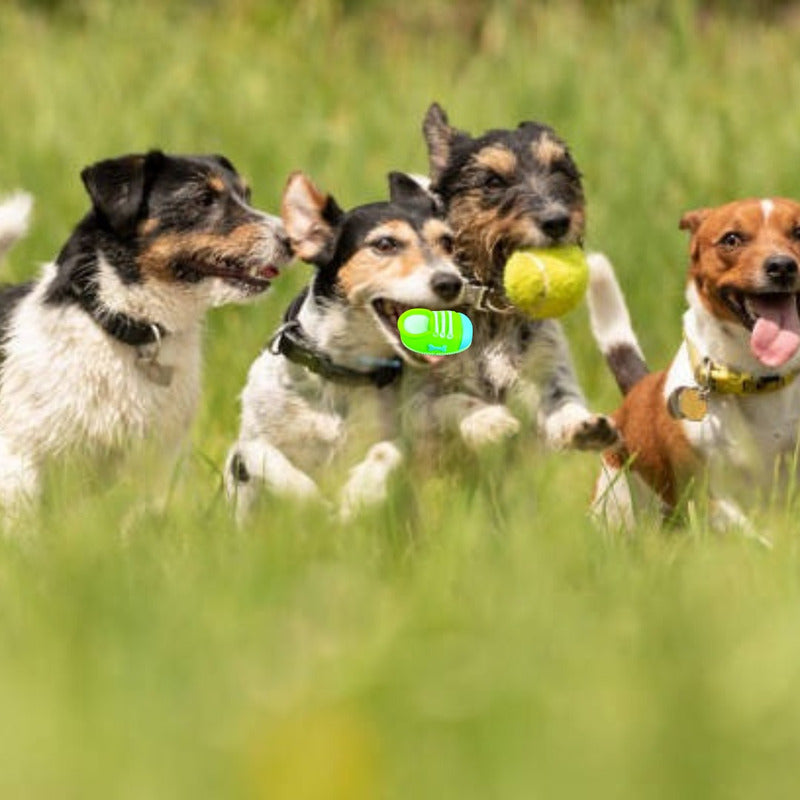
(295, 421)
(506, 190)
(66, 382)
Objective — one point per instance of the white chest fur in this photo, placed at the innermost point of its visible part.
(66, 383)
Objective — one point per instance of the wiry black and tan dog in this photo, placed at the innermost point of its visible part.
(505, 190)
(338, 351)
(103, 349)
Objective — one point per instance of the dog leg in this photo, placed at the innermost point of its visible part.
(368, 482)
(257, 461)
(564, 420)
(478, 424)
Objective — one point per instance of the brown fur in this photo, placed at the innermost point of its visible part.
(547, 150)
(662, 454)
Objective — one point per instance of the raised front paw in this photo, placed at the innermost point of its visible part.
(572, 427)
(488, 425)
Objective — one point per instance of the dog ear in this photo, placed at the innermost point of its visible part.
(692, 220)
(310, 218)
(439, 135)
(413, 190)
(118, 187)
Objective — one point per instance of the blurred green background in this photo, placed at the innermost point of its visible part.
(493, 644)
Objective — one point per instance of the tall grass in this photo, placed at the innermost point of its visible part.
(492, 643)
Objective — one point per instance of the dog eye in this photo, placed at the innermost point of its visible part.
(731, 239)
(796, 232)
(495, 181)
(209, 196)
(385, 245)
(447, 243)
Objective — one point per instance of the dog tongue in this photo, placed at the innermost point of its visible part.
(776, 334)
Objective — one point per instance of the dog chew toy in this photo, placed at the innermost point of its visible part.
(546, 282)
(435, 333)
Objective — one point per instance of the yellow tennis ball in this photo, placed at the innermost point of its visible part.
(546, 282)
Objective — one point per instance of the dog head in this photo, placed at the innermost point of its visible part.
(744, 269)
(169, 236)
(383, 258)
(504, 190)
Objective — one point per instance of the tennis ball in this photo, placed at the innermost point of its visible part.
(546, 282)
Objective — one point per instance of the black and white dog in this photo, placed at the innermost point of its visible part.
(103, 349)
(339, 351)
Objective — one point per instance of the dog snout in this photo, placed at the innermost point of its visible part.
(781, 269)
(446, 285)
(554, 224)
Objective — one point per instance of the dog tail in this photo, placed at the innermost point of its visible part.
(15, 212)
(611, 324)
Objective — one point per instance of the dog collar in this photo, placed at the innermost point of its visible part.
(146, 337)
(121, 327)
(291, 341)
(484, 297)
(691, 402)
(723, 379)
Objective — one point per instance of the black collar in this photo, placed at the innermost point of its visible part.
(291, 341)
(121, 327)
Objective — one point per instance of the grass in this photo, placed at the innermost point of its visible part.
(494, 644)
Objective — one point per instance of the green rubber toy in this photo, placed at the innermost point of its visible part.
(433, 333)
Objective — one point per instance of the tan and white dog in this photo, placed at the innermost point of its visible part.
(728, 406)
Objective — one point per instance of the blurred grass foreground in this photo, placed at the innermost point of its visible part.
(494, 644)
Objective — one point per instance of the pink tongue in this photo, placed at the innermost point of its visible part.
(776, 334)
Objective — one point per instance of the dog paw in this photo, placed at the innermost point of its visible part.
(488, 425)
(368, 482)
(572, 427)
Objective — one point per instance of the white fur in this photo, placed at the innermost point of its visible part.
(608, 312)
(766, 208)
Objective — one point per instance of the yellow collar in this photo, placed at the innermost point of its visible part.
(720, 378)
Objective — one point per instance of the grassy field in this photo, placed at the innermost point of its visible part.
(494, 644)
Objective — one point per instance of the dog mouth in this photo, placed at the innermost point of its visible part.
(388, 312)
(252, 279)
(773, 319)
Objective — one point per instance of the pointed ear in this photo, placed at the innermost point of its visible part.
(439, 135)
(407, 190)
(117, 187)
(692, 220)
(310, 218)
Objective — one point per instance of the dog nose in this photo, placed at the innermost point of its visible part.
(447, 286)
(781, 268)
(555, 225)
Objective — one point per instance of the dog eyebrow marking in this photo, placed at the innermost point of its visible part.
(547, 150)
(216, 183)
(766, 208)
(497, 158)
(434, 229)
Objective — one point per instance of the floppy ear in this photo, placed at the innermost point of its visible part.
(692, 220)
(439, 135)
(310, 218)
(407, 190)
(118, 186)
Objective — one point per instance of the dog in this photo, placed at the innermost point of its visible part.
(502, 191)
(102, 350)
(727, 408)
(339, 351)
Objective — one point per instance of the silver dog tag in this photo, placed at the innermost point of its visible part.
(155, 372)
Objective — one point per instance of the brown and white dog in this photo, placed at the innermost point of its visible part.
(728, 406)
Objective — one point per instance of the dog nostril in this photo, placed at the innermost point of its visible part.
(447, 286)
(556, 225)
(780, 268)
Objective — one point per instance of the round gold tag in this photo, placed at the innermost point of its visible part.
(687, 402)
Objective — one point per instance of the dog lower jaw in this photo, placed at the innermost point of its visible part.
(387, 312)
